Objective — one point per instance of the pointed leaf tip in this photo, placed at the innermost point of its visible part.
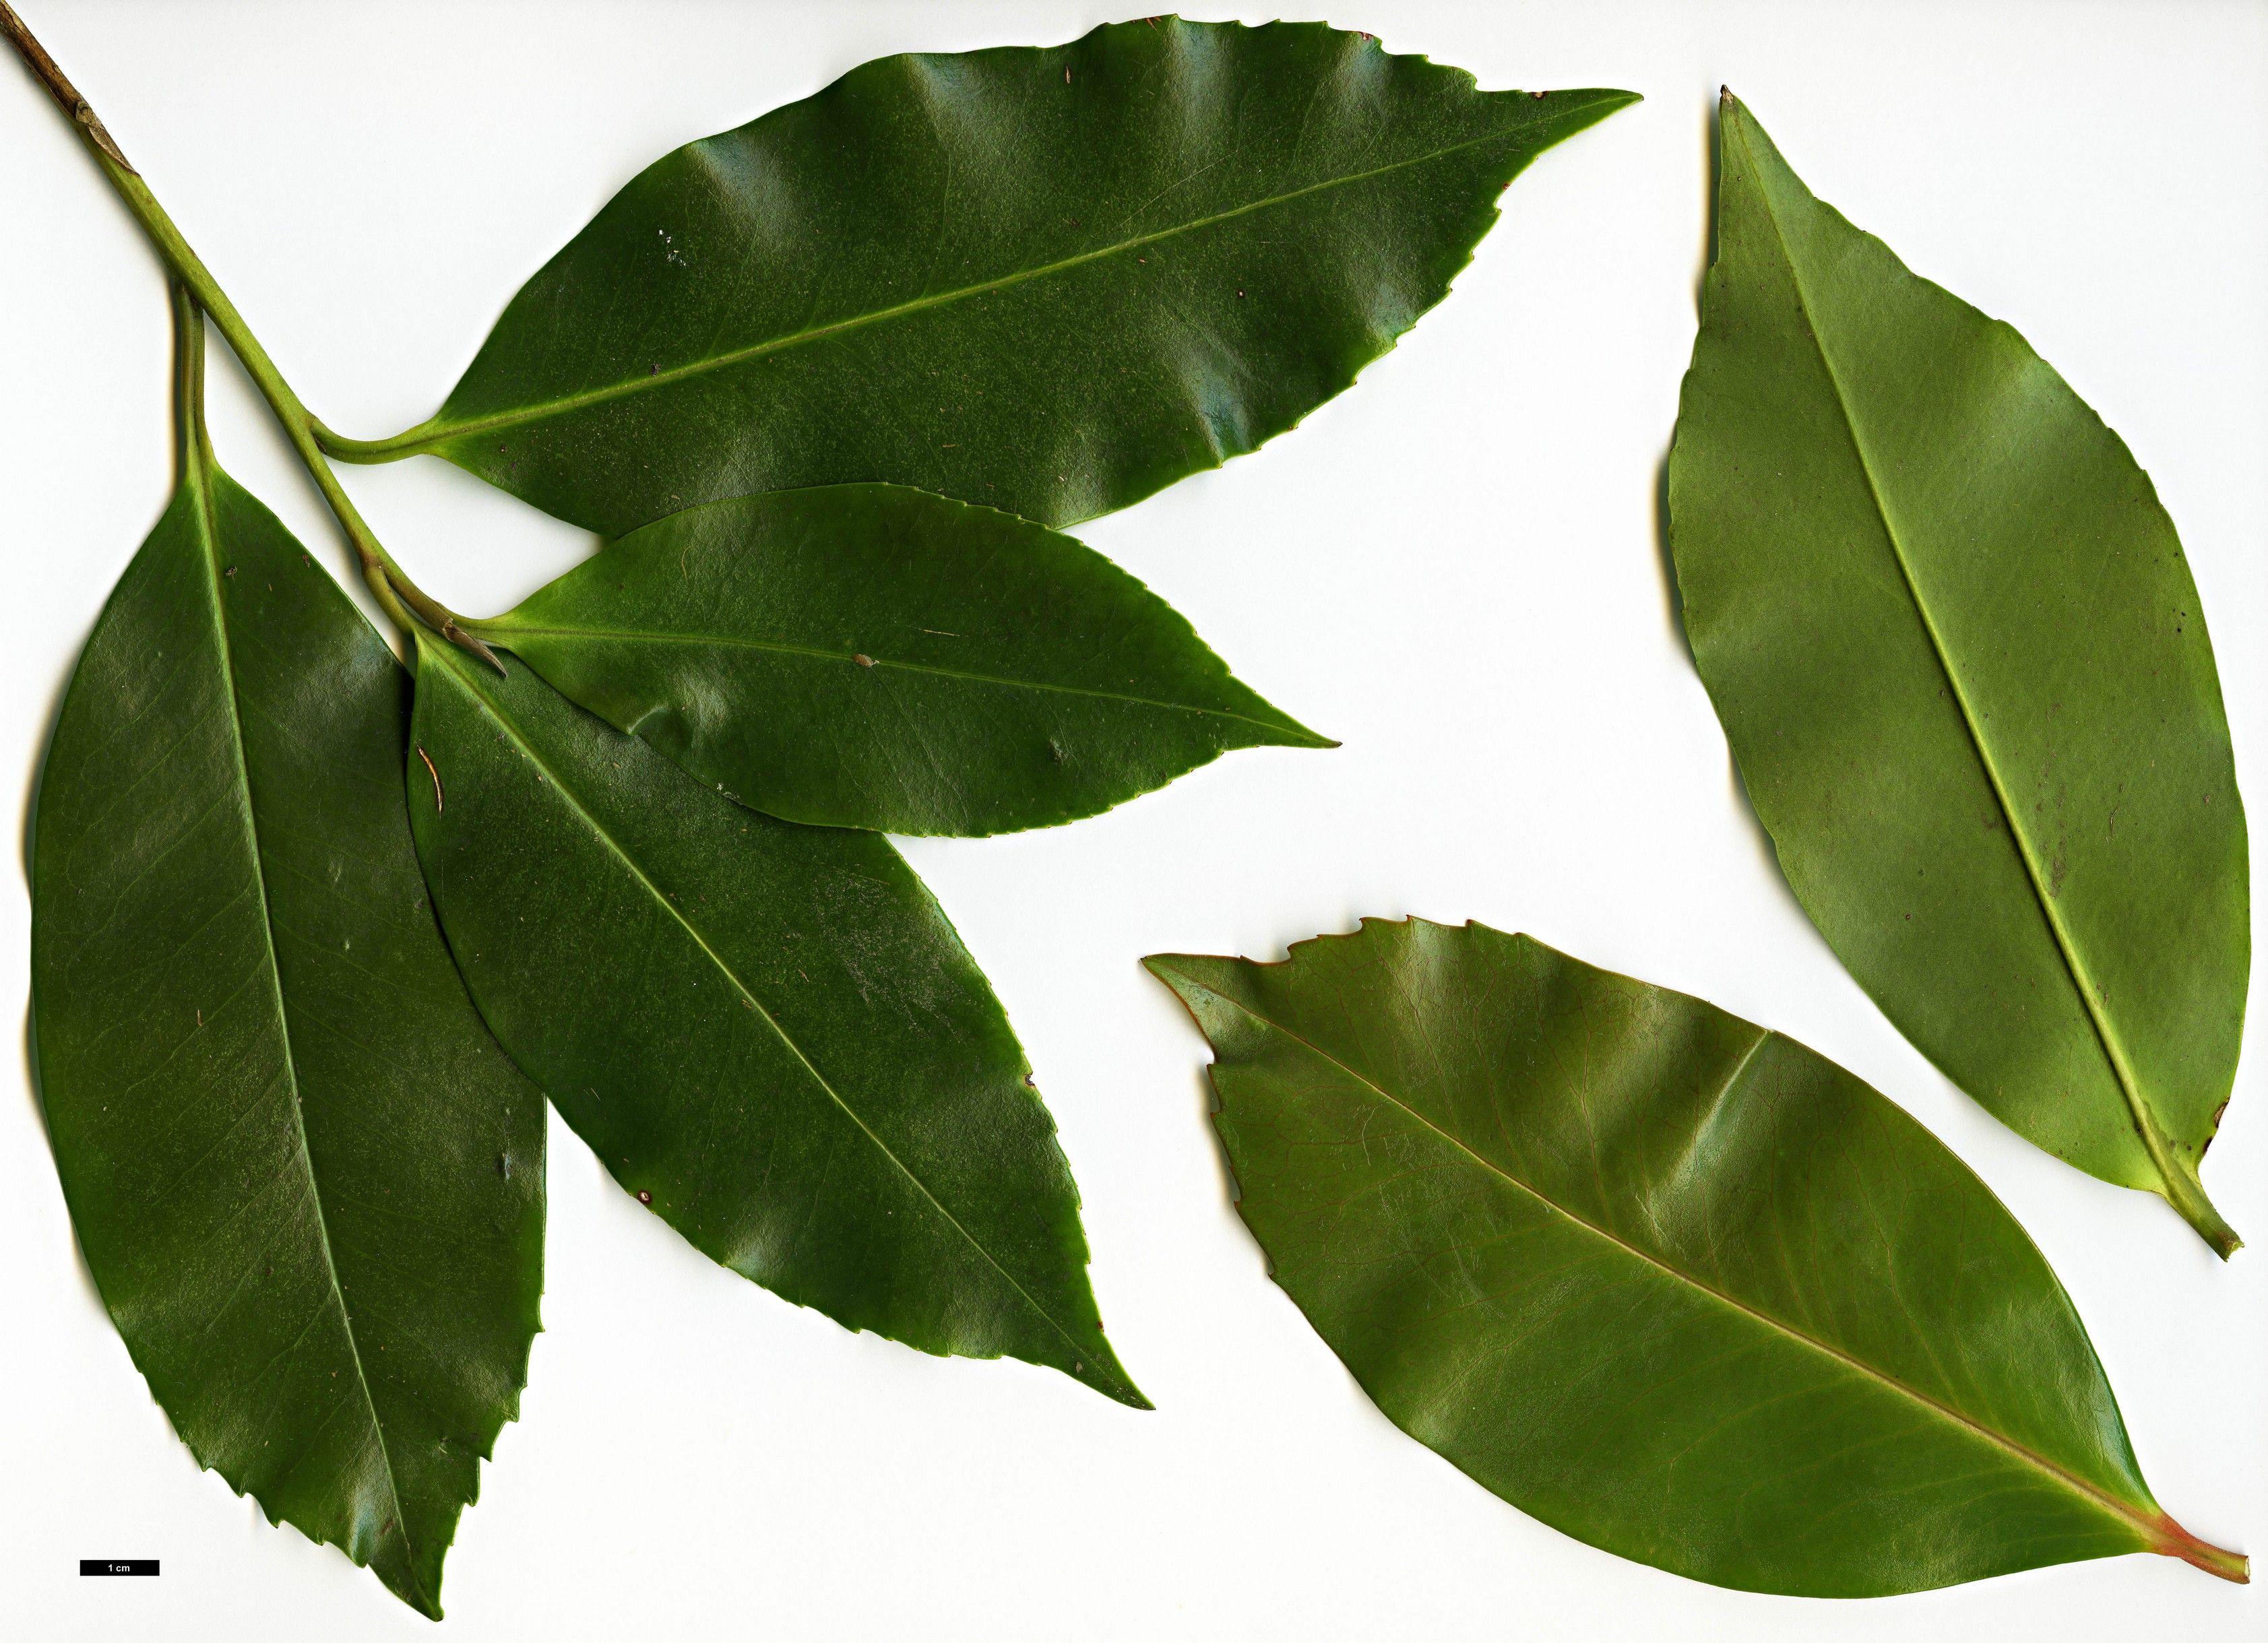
(1121, 1388)
(1175, 969)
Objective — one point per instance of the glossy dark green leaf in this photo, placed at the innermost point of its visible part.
(1050, 280)
(1961, 665)
(871, 656)
(768, 1032)
(307, 1183)
(1675, 1284)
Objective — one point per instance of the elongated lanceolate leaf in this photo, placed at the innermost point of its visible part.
(871, 656)
(1049, 280)
(307, 1183)
(1961, 665)
(1675, 1284)
(768, 1032)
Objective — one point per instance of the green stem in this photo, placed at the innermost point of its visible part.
(2186, 1194)
(388, 583)
(409, 442)
(192, 450)
(194, 463)
(2233, 1567)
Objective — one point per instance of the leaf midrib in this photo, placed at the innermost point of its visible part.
(437, 430)
(197, 475)
(2078, 1486)
(606, 836)
(510, 632)
(2114, 1052)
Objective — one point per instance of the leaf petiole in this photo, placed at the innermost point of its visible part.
(388, 583)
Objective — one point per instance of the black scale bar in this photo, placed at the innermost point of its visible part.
(118, 1565)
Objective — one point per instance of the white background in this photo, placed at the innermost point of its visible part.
(1456, 567)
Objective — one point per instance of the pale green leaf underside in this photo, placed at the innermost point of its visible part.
(1960, 662)
(1677, 1286)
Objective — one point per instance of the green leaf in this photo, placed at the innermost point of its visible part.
(768, 1032)
(869, 655)
(1677, 1286)
(1050, 280)
(307, 1183)
(1961, 665)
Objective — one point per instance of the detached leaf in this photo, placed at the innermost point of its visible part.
(307, 1183)
(1963, 669)
(869, 655)
(1675, 1284)
(1049, 280)
(768, 1032)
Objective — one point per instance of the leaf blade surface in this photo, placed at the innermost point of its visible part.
(308, 1184)
(875, 657)
(1677, 1286)
(767, 1032)
(1961, 664)
(1049, 280)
